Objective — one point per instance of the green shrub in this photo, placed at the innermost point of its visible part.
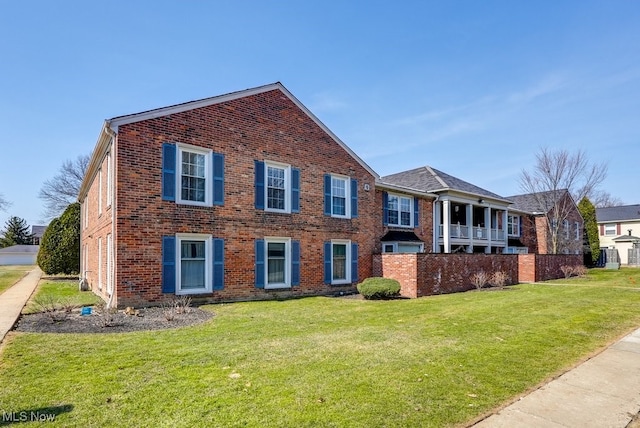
(379, 288)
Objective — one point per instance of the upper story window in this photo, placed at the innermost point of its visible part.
(340, 196)
(277, 187)
(513, 225)
(399, 210)
(192, 175)
(609, 229)
(565, 227)
(577, 226)
(109, 180)
(194, 180)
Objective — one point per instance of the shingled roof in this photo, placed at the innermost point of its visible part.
(536, 203)
(431, 180)
(621, 213)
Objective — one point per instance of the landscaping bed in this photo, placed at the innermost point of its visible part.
(119, 322)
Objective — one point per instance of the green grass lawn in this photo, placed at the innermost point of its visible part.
(624, 277)
(9, 275)
(435, 361)
(62, 291)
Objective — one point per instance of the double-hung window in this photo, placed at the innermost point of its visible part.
(577, 225)
(340, 196)
(609, 229)
(194, 180)
(277, 185)
(340, 262)
(513, 225)
(400, 210)
(192, 175)
(192, 263)
(277, 263)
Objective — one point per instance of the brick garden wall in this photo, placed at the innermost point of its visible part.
(428, 274)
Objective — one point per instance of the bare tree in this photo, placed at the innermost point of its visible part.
(62, 190)
(4, 204)
(602, 199)
(556, 181)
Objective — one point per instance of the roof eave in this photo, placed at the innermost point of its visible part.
(398, 188)
(102, 146)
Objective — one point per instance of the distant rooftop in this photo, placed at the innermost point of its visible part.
(621, 213)
(536, 203)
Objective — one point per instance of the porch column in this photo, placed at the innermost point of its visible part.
(504, 228)
(487, 226)
(446, 219)
(437, 219)
(470, 236)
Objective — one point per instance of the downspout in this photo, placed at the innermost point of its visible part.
(435, 227)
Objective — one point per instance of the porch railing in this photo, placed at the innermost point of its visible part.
(461, 231)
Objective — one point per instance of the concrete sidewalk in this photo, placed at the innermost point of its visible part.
(604, 391)
(13, 300)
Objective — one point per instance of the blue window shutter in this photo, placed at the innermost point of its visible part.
(218, 264)
(218, 179)
(168, 264)
(354, 262)
(295, 190)
(385, 208)
(327, 262)
(520, 226)
(168, 172)
(260, 263)
(259, 181)
(295, 262)
(354, 198)
(416, 212)
(327, 194)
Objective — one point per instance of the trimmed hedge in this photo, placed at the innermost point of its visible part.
(379, 288)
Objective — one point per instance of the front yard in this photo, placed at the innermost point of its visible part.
(435, 361)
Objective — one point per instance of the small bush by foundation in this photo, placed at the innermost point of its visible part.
(379, 288)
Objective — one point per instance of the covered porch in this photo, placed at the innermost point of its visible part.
(469, 226)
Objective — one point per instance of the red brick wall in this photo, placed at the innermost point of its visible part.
(266, 126)
(428, 274)
(543, 267)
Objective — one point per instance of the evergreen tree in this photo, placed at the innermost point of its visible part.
(60, 248)
(16, 232)
(592, 246)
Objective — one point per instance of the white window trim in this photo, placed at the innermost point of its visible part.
(208, 262)
(515, 221)
(86, 211)
(99, 192)
(109, 264)
(347, 197)
(208, 178)
(109, 180)
(610, 228)
(287, 186)
(100, 263)
(411, 209)
(577, 225)
(287, 262)
(347, 262)
(565, 227)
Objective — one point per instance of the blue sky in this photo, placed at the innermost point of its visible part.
(473, 88)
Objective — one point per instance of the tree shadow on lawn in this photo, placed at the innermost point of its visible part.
(42, 414)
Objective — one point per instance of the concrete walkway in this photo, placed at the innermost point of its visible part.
(604, 391)
(14, 298)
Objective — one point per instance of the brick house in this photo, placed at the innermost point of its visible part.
(237, 197)
(538, 222)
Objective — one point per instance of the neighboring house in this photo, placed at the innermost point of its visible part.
(540, 222)
(37, 232)
(462, 217)
(237, 197)
(619, 228)
(19, 255)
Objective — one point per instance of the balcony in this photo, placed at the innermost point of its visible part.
(461, 231)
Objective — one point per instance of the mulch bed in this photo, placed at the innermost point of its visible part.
(119, 322)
